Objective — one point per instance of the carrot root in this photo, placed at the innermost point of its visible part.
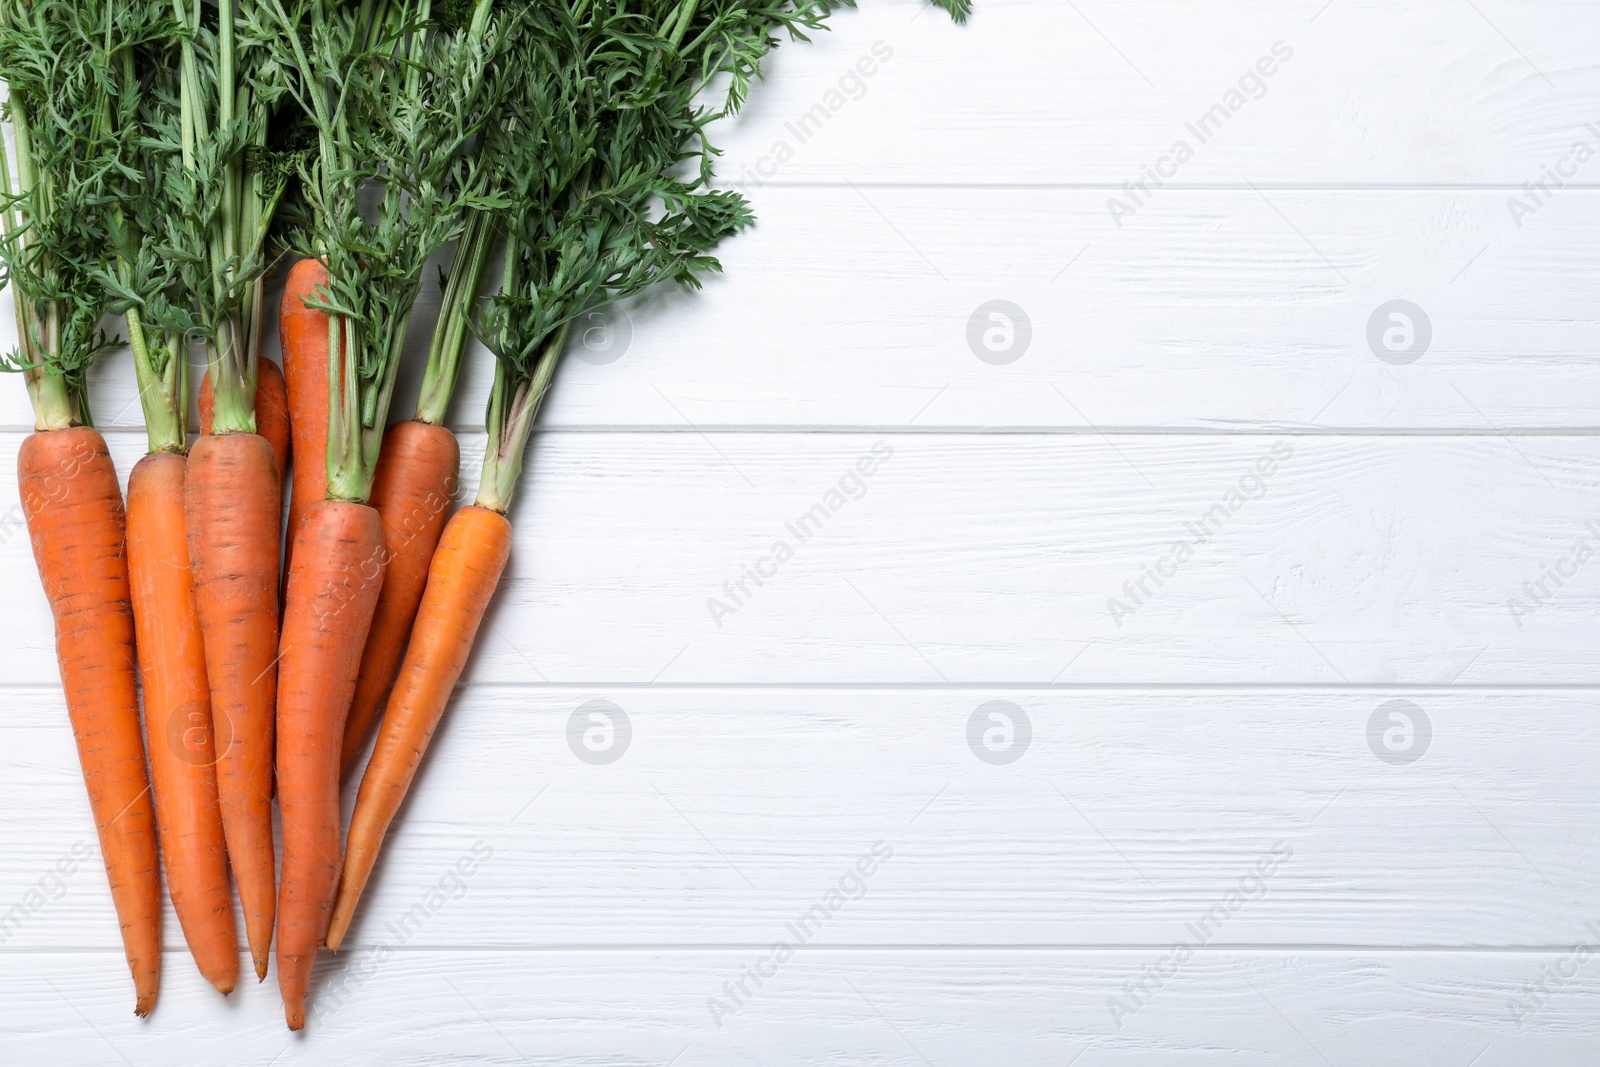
(177, 713)
(471, 557)
(332, 593)
(412, 489)
(231, 506)
(303, 339)
(73, 506)
(272, 409)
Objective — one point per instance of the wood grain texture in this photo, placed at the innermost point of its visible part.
(1128, 817)
(1094, 90)
(1219, 309)
(974, 558)
(895, 1009)
(1420, 542)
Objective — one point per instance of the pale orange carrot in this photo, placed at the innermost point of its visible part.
(412, 489)
(332, 592)
(231, 496)
(177, 713)
(73, 507)
(471, 556)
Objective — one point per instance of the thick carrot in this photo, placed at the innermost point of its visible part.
(272, 409)
(73, 507)
(177, 712)
(303, 338)
(412, 488)
(332, 592)
(231, 508)
(466, 568)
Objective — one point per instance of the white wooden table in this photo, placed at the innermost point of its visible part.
(1197, 833)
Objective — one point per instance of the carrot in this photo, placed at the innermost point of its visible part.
(466, 568)
(73, 507)
(415, 480)
(272, 409)
(332, 592)
(375, 260)
(177, 707)
(231, 498)
(303, 339)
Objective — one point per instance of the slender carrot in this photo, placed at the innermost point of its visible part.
(375, 259)
(415, 480)
(333, 589)
(466, 568)
(228, 182)
(177, 708)
(303, 340)
(73, 507)
(68, 108)
(171, 645)
(231, 508)
(272, 410)
(375, 256)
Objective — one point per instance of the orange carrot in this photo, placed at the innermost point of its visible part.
(303, 337)
(332, 593)
(73, 507)
(272, 409)
(177, 710)
(412, 488)
(414, 481)
(466, 568)
(231, 499)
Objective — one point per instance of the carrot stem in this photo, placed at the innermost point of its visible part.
(512, 407)
(453, 327)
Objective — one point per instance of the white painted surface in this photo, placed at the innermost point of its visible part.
(1226, 719)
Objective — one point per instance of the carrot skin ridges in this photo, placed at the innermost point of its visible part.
(303, 340)
(177, 715)
(231, 509)
(272, 409)
(412, 489)
(332, 593)
(466, 568)
(73, 507)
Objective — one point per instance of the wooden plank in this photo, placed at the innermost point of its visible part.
(1042, 91)
(1208, 310)
(896, 1009)
(966, 558)
(1128, 819)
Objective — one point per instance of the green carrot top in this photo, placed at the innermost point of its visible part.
(607, 168)
(72, 130)
(396, 96)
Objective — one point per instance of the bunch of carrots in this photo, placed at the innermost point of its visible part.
(167, 154)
